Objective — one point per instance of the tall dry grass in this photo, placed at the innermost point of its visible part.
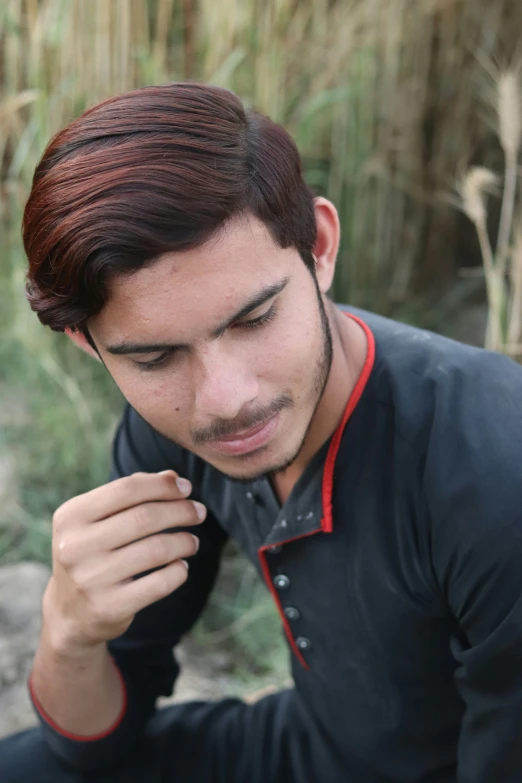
(502, 262)
(381, 95)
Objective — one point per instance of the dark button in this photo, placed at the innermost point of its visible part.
(281, 582)
(292, 613)
(303, 643)
(274, 550)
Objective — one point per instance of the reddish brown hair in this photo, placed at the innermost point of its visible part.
(154, 170)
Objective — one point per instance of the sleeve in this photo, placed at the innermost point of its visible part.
(474, 491)
(144, 654)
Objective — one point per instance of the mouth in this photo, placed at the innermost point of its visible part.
(248, 440)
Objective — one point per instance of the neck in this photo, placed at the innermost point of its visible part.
(349, 354)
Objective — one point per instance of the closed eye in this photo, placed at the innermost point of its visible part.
(261, 320)
(254, 323)
(159, 361)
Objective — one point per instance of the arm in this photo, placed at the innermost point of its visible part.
(117, 683)
(474, 493)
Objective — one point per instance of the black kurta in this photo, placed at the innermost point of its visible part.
(396, 564)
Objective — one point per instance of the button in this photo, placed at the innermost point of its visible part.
(292, 613)
(274, 550)
(281, 582)
(303, 643)
(251, 497)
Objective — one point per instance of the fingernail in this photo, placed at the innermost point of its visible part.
(184, 485)
(185, 564)
(200, 510)
(196, 539)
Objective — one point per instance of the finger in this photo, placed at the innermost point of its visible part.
(80, 544)
(141, 556)
(119, 495)
(144, 520)
(136, 595)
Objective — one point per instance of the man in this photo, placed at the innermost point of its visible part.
(370, 470)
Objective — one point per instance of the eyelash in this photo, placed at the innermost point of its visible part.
(261, 321)
(255, 323)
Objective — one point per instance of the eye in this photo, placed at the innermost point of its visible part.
(159, 361)
(261, 320)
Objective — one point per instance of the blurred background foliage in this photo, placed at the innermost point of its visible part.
(387, 100)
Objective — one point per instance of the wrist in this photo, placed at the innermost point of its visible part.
(57, 636)
(61, 646)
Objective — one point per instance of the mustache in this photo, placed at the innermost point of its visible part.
(223, 429)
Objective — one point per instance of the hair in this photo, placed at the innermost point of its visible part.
(156, 170)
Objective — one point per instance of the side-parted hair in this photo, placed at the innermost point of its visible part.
(155, 170)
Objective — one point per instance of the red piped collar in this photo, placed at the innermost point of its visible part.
(327, 520)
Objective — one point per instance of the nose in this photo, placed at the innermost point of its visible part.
(224, 384)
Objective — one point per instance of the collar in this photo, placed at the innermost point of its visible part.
(308, 508)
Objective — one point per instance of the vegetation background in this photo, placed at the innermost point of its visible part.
(390, 102)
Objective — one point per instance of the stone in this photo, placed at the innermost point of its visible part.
(21, 591)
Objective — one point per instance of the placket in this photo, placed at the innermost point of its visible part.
(301, 516)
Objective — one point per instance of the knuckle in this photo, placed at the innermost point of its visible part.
(157, 549)
(65, 550)
(136, 477)
(129, 486)
(99, 611)
(84, 582)
(106, 613)
(168, 477)
(141, 517)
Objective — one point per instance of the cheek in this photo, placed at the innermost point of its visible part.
(156, 397)
(287, 354)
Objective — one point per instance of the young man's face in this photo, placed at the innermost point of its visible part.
(237, 389)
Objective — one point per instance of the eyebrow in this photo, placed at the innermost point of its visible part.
(266, 293)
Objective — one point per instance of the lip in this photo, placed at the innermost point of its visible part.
(250, 441)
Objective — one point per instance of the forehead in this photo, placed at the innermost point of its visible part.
(194, 288)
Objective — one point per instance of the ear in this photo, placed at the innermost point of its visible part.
(327, 242)
(81, 341)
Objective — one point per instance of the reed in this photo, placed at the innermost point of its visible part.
(380, 95)
(503, 284)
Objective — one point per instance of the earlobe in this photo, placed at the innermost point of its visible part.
(80, 340)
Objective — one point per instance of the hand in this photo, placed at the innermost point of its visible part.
(104, 538)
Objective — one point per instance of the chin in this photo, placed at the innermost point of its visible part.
(246, 468)
(256, 465)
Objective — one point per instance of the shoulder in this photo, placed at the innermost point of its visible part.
(443, 386)
(459, 409)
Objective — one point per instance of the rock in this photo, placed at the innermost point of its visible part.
(203, 674)
(21, 591)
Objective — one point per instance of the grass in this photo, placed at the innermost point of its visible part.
(502, 260)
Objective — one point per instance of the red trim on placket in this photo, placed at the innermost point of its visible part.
(80, 737)
(327, 485)
(355, 396)
(268, 579)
